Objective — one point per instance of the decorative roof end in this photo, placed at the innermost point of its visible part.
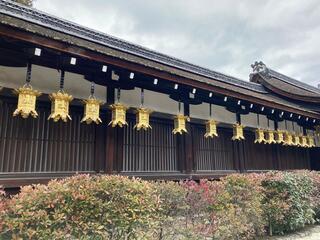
(259, 67)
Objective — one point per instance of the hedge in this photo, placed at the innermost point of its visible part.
(115, 207)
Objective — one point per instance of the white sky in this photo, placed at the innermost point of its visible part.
(223, 35)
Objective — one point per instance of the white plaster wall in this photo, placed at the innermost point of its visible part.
(219, 113)
(155, 101)
(47, 81)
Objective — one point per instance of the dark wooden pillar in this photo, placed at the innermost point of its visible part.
(240, 149)
(110, 135)
(100, 143)
(276, 150)
(188, 141)
(184, 146)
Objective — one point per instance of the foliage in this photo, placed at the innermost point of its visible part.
(315, 193)
(114, 207)
(237, 210)
(287, 201)
(3, 206)
(83, 207)
(28, 3)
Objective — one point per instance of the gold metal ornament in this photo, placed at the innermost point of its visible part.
(27, 98)
(92, 110)
(142, 119)
(270, 137)
(60, 106)
(260, 138)
(238, 132)
(310, 141)
(118, 115)
(211, 129)
(317, 128)
(180, 124)
(303, 141)
(288, 139)
(279, 136)
(296, 140)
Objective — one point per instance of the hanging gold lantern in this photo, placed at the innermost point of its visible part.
(211, 129)
(142, 119)
(60, 106)
(180, 124)
(92, 110)
(118, 115)
(27, 98)
(310, 141)
(317, 128)
(296, 140)
(270, 137)
(288, 138)
(279, 136)
(238, 132)
(303, 141)
(260, 138)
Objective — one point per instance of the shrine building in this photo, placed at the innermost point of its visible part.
(75, 100)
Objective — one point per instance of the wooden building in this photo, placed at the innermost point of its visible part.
(47, 50)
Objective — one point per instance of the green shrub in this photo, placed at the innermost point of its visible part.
(172, 196)
(239, 206)
(237, 209)
(83, 207)
(287, 201)
(315, 193)
(3, 206)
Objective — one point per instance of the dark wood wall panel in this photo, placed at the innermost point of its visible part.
(152, 150)
(39, 145)
(212, 154)
(257, 156)
(274, 156)
(294, 158)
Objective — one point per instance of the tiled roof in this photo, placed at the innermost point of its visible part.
(293, 82)
(43, 19)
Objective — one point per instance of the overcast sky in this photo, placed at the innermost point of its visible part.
(223, 35)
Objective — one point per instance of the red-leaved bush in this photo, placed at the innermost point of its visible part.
(239, 206)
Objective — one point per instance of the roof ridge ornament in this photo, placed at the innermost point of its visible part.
(259, 67)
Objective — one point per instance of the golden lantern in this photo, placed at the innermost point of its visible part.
(303, 141)
(296, 140)
(60, 106)
(237, 132)
(270, 137)
(180, 124)
(310, 141)
(27, 98)
(142, 119)
(260, 138)
(211, 129)
(279, 136)
(118, 115)
(288, 139)
(317, 130)
(92, 110)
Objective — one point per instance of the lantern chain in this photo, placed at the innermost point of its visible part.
(92, 89)
(28, 77)
(62, 80)
(142, 97)
(210, 110)
(118, 94)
